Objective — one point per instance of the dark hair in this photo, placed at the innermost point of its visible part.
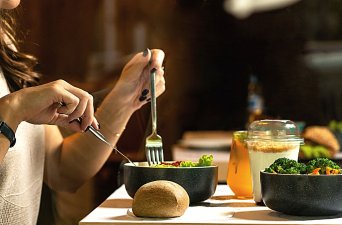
(17, 67)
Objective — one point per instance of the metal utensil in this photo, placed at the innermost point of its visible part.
(154, 146)
(102, 138)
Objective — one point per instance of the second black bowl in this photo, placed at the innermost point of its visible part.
(302, 195)
(199, 182)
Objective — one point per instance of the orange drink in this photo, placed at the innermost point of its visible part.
(239, 175)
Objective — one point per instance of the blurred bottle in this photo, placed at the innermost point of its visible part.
(255, 101)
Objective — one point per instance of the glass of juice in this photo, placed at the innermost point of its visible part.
(239, 175)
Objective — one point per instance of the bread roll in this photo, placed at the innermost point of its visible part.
(161, 199)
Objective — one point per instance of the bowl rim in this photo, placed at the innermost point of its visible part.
(300, 175)
(128, 164)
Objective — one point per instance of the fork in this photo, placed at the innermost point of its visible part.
(154, 145)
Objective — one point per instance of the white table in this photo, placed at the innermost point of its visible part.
(222, 208)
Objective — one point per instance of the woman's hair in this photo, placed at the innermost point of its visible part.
(17, 67)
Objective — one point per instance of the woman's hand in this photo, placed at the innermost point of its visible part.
(56, 103)
(134, 83)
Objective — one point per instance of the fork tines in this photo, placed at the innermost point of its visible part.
(154, 153)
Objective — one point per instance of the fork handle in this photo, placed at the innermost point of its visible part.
(153, 100)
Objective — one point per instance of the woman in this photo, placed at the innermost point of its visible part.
(30, 112)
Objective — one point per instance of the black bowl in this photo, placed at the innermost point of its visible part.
(302, 195)
(199, 182)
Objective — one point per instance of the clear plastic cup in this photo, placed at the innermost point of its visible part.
(267, 141)
(239, 176)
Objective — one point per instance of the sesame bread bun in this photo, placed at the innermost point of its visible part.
(162, 199)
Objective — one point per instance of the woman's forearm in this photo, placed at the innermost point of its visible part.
(9, 116)
(82, 155)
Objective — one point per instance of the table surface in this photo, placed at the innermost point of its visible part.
(222, 208)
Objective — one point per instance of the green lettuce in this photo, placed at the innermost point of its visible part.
(205, 160)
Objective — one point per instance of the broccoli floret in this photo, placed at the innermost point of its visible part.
(286, 166)
(315, 167)
(269, 170)
(322, 163)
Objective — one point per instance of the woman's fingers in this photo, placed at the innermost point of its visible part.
(157, 59)
(145, 61)
(75, 103)
(68, 104)
(84, 108)
(160, 85)
(137, 64)
(88, 115)
(134, 82)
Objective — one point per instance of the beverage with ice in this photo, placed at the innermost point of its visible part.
(239, 174)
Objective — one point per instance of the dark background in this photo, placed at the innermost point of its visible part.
(296, 52)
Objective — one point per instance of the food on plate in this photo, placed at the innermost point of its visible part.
(204, 160)
(319, 142)
(199, 182)
(161, 199)
(310, 151)
(313, 167)
(286, 166)
(322, 166)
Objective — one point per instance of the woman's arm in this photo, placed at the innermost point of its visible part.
(6, 115)
(53, 103)
(72, 161)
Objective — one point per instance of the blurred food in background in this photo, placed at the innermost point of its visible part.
(320, 141)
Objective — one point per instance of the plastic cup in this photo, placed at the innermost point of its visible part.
(239, 174)
(267, 141)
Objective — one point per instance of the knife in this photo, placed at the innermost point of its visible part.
(102, 138)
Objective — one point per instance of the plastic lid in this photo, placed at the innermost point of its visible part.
(274, 130)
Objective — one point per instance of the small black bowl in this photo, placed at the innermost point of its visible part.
(302, 195)
(199, 182)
